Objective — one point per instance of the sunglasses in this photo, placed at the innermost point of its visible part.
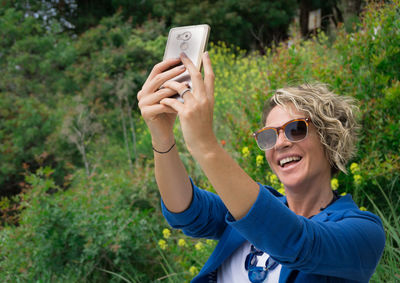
(295, 130)
(257, 274)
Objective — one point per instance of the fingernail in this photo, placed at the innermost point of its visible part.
(183, 55)
(208, 55)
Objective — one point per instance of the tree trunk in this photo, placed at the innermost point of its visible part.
(305, 8)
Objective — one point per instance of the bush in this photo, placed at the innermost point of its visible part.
(107, 225)
(24, 127)
(98, 227)
(44, 73)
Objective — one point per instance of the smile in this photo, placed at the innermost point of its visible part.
(287, 160)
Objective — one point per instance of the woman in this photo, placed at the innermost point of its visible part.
(311, 235)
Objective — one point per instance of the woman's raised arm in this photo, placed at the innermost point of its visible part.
(236, 189)
(171, 176)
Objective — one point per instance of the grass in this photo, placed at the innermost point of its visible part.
(388, 269)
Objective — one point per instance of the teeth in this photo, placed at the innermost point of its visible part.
(288, 159)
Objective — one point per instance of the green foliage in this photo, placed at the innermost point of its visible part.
(104, 224)
(24, 126)
(43, 72)
(248, 24)
(182, 257)
(54, 16)
(372, 56)
(30, 53)
(113, 61)
(113, 50)
(101, 224)
(251, 24)
(387, 271)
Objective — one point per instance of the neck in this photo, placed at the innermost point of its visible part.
(308, 202)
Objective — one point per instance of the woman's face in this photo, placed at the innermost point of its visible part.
(309, 162)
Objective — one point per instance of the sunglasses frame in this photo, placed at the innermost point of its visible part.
(277, 130)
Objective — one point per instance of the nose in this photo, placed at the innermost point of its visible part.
(282, 141)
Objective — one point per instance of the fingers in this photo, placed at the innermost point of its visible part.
(195, 75)
(154, 98)
(159, 79)
(161, 67)
(179, 88)
(173, 103)
(208, 76)
(152, 111)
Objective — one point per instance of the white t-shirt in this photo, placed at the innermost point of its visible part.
(232, 269)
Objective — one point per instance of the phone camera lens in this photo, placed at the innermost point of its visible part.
(184, 36)
(187, 36)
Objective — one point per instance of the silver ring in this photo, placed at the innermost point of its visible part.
(184, 91)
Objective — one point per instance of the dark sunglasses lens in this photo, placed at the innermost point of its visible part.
(257, 274)
(266, 139)
(296, 131)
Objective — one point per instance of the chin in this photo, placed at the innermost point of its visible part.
(292, 182)
(293, 179)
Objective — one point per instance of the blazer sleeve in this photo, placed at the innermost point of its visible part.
(345, 244)
(204, 218)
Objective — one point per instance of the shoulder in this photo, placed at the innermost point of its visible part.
(346, 208)
(274, 192)
(354, 223)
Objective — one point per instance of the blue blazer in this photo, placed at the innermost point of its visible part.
(340, 244)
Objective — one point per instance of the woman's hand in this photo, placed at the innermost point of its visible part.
(196, 113)
(236, 189)
(159, 118)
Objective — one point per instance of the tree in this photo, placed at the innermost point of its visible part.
(329, 11)
(251, 24)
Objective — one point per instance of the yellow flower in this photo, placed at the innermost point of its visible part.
(273, 179)
(182, 243)
(354, 168)
(343, 194)
(357, 179)
(166, 233)
(199, 246)
(163, 244)
(245, 152)
(209, 242)
(362, 208)
(281, 191)
(193, 270)
(259, 160)
(334, 184)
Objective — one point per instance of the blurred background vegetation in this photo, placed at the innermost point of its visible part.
(78, 199)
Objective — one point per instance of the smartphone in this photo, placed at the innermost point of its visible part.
(192, 40)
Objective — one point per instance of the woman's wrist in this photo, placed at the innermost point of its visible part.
(166, 151)
(164, 144)
(205, 150)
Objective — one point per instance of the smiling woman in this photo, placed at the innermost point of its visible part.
(309, 152)
(334, 117)
(308, 235)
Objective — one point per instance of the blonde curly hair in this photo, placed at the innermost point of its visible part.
(334, 116)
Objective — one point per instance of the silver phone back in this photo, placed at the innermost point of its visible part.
(191, 40)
